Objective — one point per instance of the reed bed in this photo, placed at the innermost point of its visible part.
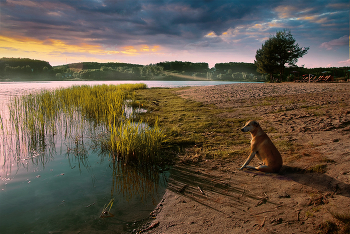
(78, 111)
(136, 141)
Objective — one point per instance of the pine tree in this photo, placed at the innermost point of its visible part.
(277, 51)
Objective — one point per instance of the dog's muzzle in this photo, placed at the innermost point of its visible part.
(243, 130)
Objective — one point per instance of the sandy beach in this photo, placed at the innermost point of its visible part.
(312, 188)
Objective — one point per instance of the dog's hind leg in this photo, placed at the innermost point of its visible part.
(265, 168)
(253, 168)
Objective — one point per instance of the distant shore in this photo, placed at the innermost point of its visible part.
(156, 78)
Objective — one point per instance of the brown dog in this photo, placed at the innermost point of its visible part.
(263, 148)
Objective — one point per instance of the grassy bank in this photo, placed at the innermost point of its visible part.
(196, 131)
(193, 130)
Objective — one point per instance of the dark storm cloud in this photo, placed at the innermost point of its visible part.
(183, 22)
(125, 8)
(123, 19)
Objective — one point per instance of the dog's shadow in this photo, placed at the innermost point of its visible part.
(319, 181)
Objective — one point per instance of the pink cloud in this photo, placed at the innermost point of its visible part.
(344, 40)
(345, 63)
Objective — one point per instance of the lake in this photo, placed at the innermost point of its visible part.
(65, 187)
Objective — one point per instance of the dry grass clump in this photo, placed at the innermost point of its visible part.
(341, 225)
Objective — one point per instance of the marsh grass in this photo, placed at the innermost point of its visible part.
(136, 141)
(74, 113)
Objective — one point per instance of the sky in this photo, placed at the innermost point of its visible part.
(151, 31)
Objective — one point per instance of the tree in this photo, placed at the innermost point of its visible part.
(276, 52)
(265, 58)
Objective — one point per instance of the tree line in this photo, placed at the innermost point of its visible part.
(184, 66)
(17, 69)
(23, 67)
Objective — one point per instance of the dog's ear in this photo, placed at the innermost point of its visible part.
(256, 124)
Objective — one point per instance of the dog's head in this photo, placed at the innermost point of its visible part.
(250, 126)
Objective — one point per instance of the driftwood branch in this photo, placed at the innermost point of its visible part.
(201, 190)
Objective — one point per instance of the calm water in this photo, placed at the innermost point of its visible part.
(65, 187)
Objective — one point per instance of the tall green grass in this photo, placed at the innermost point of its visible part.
(78, 111)
(135, 141)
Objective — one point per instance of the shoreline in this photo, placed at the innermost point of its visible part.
(212, 195)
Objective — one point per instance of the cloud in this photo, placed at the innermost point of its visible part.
(135, 27)
(286, 11)
(344, 40)
(344, 63)
(8, 49)
(56, 47)
(112, 22)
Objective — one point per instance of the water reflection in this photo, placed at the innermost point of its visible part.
(128, 181)
(50, 171)
(131, 181)
(78, 153)
(67, 167)
(19, 150)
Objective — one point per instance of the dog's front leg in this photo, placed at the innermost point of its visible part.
(251, 156)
